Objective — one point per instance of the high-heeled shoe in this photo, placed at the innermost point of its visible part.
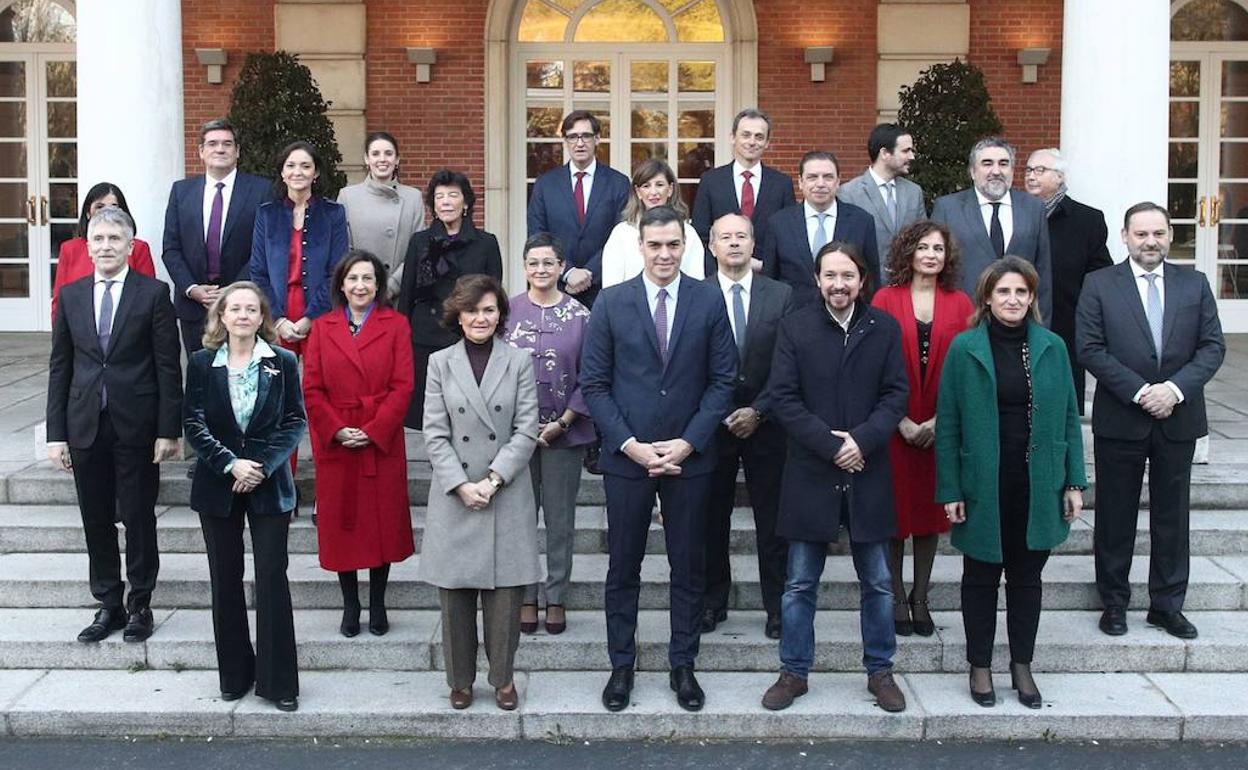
(528, 626)
(554, 628)
(902, 625)
(350, 625)
(1022, 681)
(921, 616)
(987, 698)
(378, 621)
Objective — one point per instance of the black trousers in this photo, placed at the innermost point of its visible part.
(114, 480)
(1119, 477)
(629, 505)
(192, 336)
(762, 454)
(273, 666)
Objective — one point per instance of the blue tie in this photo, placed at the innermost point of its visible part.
(821, 235)
(738, 317)
(1154, 312)
(104, 330)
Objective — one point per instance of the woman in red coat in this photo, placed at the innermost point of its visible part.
(74, 262)
(923, 296)
(357, 385)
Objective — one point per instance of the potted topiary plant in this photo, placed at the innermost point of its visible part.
(946, 110)
(275, 102)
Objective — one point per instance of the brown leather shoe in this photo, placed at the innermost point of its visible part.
(461, 699)
(507, 701)
(888, 695)
(788, 688)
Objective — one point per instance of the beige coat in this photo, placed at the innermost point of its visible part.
(382, 219)
(469, 431)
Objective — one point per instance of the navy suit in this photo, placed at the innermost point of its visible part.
(786, 251)
(632, 393)
(184, 252)
(552, 209)
(717, 195)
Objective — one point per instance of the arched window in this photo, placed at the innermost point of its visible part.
(37, 21)
(621, 21)
(1209, 20)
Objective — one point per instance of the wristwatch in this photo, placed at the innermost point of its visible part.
(564, 424)
(495, 482)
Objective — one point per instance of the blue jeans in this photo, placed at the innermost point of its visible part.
(801, 589)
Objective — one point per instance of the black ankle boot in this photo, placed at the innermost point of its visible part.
(350, 622)
(378, 621)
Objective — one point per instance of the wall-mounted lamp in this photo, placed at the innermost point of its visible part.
(214, 59)
(1031, 59)
(819, 57)
(424, 59)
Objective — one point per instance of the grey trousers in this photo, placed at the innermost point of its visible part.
(556, 477)
(500, 610)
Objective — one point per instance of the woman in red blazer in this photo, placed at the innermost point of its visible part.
(923, 296)
(357, 384)
(74, 262)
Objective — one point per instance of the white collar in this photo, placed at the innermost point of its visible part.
(210, 183)
(119, 278)
(259, 351)
(589, 170)
(1139, 272)
(652, 289)
(876, 177)
(756, 169)
(811, 212)
(1006, 200)
(727, 283)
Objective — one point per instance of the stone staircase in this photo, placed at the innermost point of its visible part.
(1145, 685)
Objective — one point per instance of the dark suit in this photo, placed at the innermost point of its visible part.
(1077, 236)
(277, 424)
(960, 212)
(1116, 346)
(185, 255)
(112, 448)
(633, 393)
(717, 195)
(552, 209)
(786, 251)
(762, 454)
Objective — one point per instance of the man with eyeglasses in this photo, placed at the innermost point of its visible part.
(208, 224)
(1077, 242)
(579, 203)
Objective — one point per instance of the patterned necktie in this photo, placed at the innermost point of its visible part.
(995, 233)
(212, 244)
(738, 317)
(821, 234)
(660, 323)
(890, 200)
(579, 195)
(1154, 311)
(747, 195)
(104, 330)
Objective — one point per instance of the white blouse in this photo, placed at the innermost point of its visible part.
(621, 257)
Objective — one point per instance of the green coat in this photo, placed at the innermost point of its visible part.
(968, 441)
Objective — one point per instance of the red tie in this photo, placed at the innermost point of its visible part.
(579, 194)
(747, 195)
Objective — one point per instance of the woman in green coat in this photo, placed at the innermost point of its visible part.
(1009, 465)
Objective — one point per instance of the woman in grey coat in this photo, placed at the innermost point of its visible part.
(480, 430)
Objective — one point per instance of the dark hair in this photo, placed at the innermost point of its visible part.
(817, 155)
(855, 256)
(648, 169)
(1138, 208)
(543, 241)
(445, 177)
(989, 142)
(993, 274)
(901, 255)
(384, 136)
(218, 124)
(318, 184)
(884, 137)
(352, 258)
(576, 116)
(659, 216)
(751, 112)
(467, 294)
(96, 192)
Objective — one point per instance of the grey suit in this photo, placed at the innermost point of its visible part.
(1030, 240)
(863, 192)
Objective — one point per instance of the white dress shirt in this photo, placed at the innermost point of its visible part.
(725, 286)
(756, 180)
(98, 293)
(812, 223)
(587, 182)
(210, 193)
(1141, 285)
(1006, 216)
(652, 297)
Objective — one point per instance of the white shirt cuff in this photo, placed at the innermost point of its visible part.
(1139, 393)
(627, 441)
(1177, 393)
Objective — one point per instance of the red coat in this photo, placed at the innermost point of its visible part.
(74, 262)
(914, 469)
(362, 382)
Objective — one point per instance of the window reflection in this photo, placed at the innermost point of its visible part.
(37, 21)
(621, 21)
(1210, 20)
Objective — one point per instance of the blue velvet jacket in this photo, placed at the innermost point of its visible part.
(325, 241)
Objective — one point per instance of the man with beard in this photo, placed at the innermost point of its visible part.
(883, 190)
(839, 390)
(990, 220)
(1148, 330)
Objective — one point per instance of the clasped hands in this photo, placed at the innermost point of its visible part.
(1158, 400)
(743, 422)
(247, 475)
(660, 458)
(475, 495)
(352, 438)
(921, 435)
(849, 457)
(293, 331)
(577, 280)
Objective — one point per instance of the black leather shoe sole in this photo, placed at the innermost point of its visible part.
(229, 696)
(287, 704)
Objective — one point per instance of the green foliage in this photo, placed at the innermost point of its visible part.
(276, 102)
(947, 110)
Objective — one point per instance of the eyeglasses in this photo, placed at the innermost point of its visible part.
(578, 138)
(1037, 170)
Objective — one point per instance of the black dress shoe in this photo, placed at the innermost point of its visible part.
(1114, 621)
(986, 698)
(712, 618)
(1020, 679)
(287, 704)
(107, 620)
(350, 625)
(378, 621)
(772, 629)
(619, 689)
(139, 626)
(1173, 622)
(227, 695)
(688, 693)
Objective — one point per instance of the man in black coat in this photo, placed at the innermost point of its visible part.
(839, 390)
(1077, 244)
(747, 435)
(114, 414)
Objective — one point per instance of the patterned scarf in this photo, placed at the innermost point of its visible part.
(1051, 204)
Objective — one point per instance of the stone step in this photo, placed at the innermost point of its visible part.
(58, 528)
(559, 706)
(1068, 642)
(59, 580)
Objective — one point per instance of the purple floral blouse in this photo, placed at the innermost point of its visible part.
(553, 336)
